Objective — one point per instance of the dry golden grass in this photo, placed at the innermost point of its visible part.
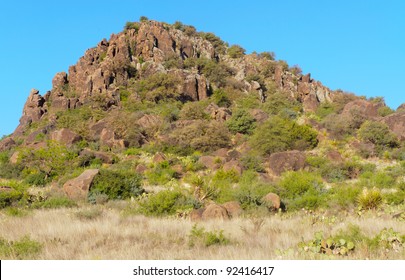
(106, 234)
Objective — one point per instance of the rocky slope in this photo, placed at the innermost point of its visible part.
(167, 88)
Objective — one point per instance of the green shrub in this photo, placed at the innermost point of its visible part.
(385, 111)
(199, 236)
(277, 135)
(16, 212)
(54, 202)
(278, 103)
(24, 248)
(117, 184)
(193, 111)
(241, 122)
(166, 202)
(378, 134)
(132, 25)
(161, 174)
(394, 198)
(236, 51)
(325, 109)
(252, 162)
(8, 198)
(158, 87)
(219, 45)
(220, 97)
(268, 55)
(36, 179)
(89, 214)
(343, 195)
(302, 189)
(201, 135)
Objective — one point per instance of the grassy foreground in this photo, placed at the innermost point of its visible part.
(109, 232)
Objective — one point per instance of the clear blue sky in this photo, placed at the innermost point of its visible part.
(357, 46)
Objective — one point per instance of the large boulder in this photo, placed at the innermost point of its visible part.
(362, 108)
(211, 162)
(215, 211)
(78, 188)
(233, 208)
(196, 214)
(286, 161)
(396, 122)
(272, 201)
(65, 136)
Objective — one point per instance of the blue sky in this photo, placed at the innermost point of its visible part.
(357, 46)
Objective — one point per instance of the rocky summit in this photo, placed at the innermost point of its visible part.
(163, 112)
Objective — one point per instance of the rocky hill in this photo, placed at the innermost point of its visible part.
(176, 106)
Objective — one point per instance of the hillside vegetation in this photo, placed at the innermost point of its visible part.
(165, 123)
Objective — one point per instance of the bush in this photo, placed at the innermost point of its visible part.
(277, 135)
(161, 174)
(165, 203)
(8, 198)
(193, 111)
(117, 184)
(131, 25)
(302, 189)
(236, 51)
(199, 236)
(378, 134)
(241, 122)
(158, 87)
(54, 202)
(25, 248)
(220, 97)
(201, 135)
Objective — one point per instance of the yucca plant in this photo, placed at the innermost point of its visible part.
(369, 199)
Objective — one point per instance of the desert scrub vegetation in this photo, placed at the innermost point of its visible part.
(278, 134)
(115, 184)
(200, 237)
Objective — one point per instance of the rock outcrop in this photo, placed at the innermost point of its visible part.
(33, 110)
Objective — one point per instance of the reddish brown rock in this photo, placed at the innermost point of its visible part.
(78, 188)
(14, 157)
(59, 83)
(108, 138)
(195, 87)
(141, 168)
(286, 161)
(159, 157)
(334, 156)
(32, 112)
(211, 162)
(233, 208)
(259, 115)
(218, 113)
(272, 201)
(7, 143)
(396, 123)
(215, 211)
(234, 165)
(103, 156)
(363, 108)
(149, 121)
(65, 136)
(310, 103)
(306, 78)
(223, 153)
(196, 214)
